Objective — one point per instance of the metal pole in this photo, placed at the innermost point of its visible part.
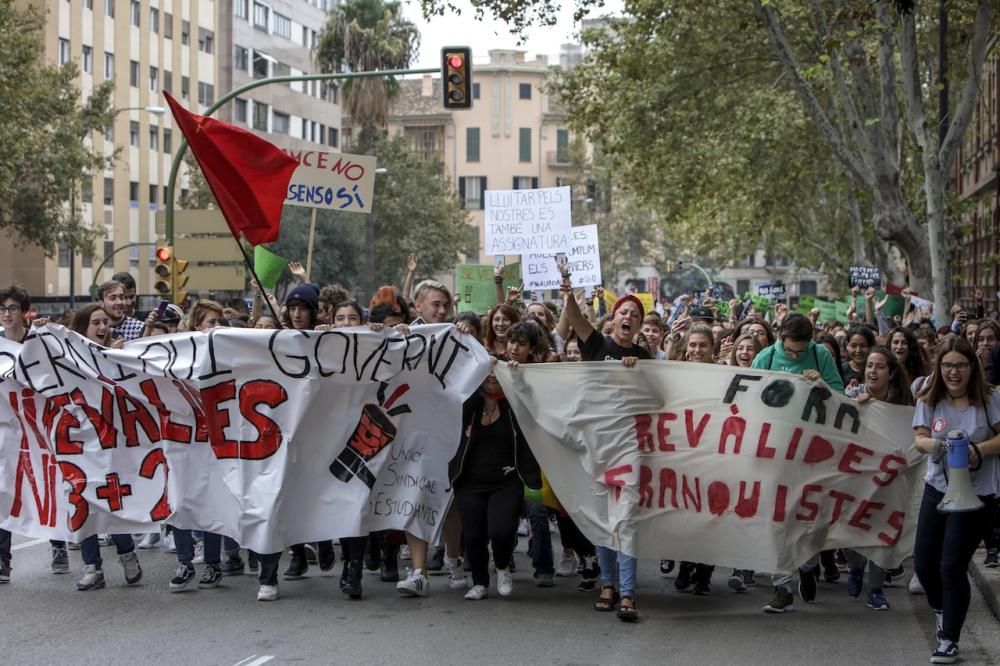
(168, 226)
(309, 250)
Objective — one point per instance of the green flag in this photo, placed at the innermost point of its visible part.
(268, 266)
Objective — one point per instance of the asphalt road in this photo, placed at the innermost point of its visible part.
(44, 620)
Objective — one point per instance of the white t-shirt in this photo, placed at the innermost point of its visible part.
(971, 419)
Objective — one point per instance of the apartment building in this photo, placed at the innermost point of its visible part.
(266, 38)
(513, 137)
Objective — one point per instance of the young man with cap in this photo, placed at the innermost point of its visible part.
(627, 316)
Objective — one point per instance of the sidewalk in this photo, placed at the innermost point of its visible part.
(987, 580)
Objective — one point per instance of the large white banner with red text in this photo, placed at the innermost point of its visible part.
(721, 465)
(270, 437)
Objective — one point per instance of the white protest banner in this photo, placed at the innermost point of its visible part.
(528, 221)
(584, 257)
(332, 180)
(727, 466)
(270, 437)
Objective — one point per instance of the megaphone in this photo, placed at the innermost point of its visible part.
(960, 496)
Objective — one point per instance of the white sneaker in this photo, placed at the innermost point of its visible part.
(267, 593)
(130, 563)
(414, 585)
(199, 553)
(456, 574)
(104, 540)
(476, 593)
(505, 583)
(523, 527)
(915, 587)
(168, 543)
(567, 566)
(151, 540)
(93, 578)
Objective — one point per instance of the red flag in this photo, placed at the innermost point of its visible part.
(248, 175)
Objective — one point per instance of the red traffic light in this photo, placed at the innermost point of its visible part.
(455, 61)
(163, 254)
(456, 77)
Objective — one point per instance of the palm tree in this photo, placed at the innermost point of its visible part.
(363, 36)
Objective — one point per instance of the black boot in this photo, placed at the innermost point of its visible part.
(684, 573)
(350, 579)
(390, 564)
(373, 554)
(297, 568)
(326, 555)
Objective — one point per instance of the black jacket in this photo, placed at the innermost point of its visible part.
(524, 460)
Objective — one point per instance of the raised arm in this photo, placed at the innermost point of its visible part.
(571, 309)
(411, 270)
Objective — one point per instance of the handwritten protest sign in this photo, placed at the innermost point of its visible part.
(475, 289)
(528, 221)
(584, 258)
(332, 180)
(864, 276)
(740, 468)
(269, 437)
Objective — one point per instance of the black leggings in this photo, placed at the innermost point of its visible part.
(944, 547)
(573, 538)
(489, 518)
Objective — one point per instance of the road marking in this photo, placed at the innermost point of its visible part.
(29, 544)
(257, 661)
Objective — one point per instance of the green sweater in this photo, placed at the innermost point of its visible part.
(815, 357)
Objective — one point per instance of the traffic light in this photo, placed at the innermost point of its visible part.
(170, 278)
(456, 77)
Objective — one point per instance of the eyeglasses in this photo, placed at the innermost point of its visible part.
(961, 366)
(10, 309)
(792, 353)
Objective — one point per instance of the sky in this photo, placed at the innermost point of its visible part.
(464, 30)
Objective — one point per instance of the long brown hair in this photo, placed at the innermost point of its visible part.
(508, 311)
(899, 380)
(81, 321)
(935, 390)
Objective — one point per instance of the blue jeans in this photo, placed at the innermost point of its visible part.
(614, 562)
(184, 540)
(90, 550)
(541, 539)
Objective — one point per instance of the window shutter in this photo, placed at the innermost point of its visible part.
(482, 199)
(461, 191)
(534, 183)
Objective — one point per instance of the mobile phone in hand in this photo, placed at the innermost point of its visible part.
(501, 262)
(162, 308)
(561, 259)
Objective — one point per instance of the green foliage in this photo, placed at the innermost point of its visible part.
(415, 210)
(45, 147)
(363, 36)
(197, 194)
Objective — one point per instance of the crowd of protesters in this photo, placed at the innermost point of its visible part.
(944, 373)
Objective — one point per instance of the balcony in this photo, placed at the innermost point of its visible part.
(558, 159)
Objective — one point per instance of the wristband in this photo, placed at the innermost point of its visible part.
(498, 279)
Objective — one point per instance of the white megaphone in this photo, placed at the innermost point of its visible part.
(960, 495)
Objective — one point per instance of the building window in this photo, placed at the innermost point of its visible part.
(280, 123)
(470, 191)
(524, 90)
(88, 4)
(241, 58)
(153, 192)
(63, 255)
(63, 51)
(185, 87)
(260, 16)
(133, 191)
(88, 60)
(206, 41)
(154, 137)
(109, 66)
(332, 137)
(471, 144)
(109, 8)
(133, 73)
(185, 32)
(242, 9)
(241, 110)
(808, 288)
(525, 182)
(524, 144)
(133, 15)
(109, 133)
(109, 191)
(282, 26)
(305, 36)
(260, 61)
(87, 260)
(281, 69)
(154, 79)
(168, 140)
(168, 25)
(154, 20)
(742, 287)
(133, 133)
(562, 146)
(168, 81)
(475, 90)
(260, 112)
(750, 261)
(206, 93)
(87, 189)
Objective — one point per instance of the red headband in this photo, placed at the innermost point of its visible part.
(625, 299)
